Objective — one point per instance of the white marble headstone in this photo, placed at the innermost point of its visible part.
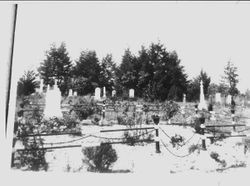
(70, 92)
(113, 93)
(41, 86)
(104, 92)
(75, 93)
(229, 97)
(218, 98)
(97, 93)
(131, 93)
(184, 98)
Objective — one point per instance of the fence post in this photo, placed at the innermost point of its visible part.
(245, 149)
(246, 142)
(202, 126)
(203, 137)
(103, 112)
(212, 140)
(156, 119)
(233, 118)
(196, 110)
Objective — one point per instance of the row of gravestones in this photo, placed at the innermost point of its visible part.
(218, 98)
(97, 92)
(54, 94)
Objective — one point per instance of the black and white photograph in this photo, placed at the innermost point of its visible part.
(111, 88)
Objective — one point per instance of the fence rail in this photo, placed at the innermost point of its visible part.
(48, 148)
(50, 134)
(227, 136)
(119, 130)
(235, 125)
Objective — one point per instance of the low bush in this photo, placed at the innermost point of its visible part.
(51, 125)
(170, 109)
(100, 158)
(120, 120)
(177, 140)
(95, 119)
(31, 158)
(126, 120)
(57, 125)
(215, 156)
(129, 138)
(193, 148)
(84, 107)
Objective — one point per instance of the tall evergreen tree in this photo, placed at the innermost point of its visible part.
(169, 79)
(126, 73)
(107, 75)
(155, 74)
(87, 73)
(57, 65)
(146, 73)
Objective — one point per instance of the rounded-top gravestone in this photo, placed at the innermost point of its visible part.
(131, 93)
(97, 93)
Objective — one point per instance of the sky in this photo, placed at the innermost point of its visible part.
(205, 35)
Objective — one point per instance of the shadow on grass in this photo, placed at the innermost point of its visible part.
(242, 165)
(114, 171)
(119, 171)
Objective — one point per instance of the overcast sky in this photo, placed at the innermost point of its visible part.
(204, 34)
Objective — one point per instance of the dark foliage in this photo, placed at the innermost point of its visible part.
(57, 65)
(177, 140)
(27, 84)
(155, 74)
(193, 91)
(87, 73)
(100, 158)
(32, 158)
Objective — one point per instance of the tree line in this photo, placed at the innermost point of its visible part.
(154, 73)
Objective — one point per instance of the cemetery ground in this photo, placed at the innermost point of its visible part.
(181, 148)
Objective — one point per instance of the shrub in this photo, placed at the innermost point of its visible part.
(32, 158)
(69, 121)
(130, 139)
(193, 148)
(177, 140)
(197, 125)
(95, 119)
(25, 128)
(120, 120)
(84, 107)
(149, 136)
(57, 125)
(170, 109)
(126, 120)
(100, 158)
(27, 84)
(215, 156)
